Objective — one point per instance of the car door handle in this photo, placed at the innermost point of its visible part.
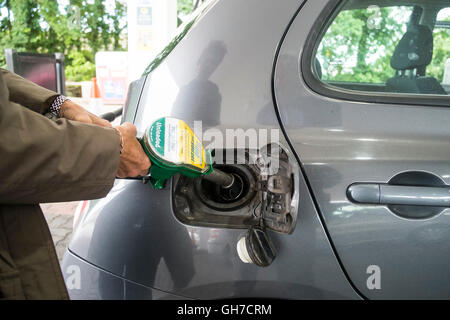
(386, 194)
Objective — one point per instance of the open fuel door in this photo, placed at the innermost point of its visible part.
(265, 196)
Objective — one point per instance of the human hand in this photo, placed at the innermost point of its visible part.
(133, 160)
(72, 111)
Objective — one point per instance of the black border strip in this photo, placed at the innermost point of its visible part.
(310, 47)
(308, 184)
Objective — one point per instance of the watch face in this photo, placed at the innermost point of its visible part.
(173, 142)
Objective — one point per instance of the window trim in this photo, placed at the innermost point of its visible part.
(321, 25)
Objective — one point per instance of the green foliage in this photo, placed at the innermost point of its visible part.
(441, 52)
(185, 6)
(359, 44)
(43, 26)
(81, 68)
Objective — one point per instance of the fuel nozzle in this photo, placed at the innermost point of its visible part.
(220, 178)
(173, 148)
(228, 186)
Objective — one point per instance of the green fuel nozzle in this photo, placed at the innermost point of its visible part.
(173, 148)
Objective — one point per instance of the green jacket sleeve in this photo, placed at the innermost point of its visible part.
(46, 161)
(27, 93)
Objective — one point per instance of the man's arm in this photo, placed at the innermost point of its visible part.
(27, 93)
(46, 161)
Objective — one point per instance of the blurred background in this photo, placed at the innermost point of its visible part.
(92, 39)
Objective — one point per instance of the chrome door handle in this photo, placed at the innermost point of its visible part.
(386, 194)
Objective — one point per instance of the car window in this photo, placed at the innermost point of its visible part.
(387, 48)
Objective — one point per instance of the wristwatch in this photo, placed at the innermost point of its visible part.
(56, 105)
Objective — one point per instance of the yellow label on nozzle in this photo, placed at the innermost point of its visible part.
(174, 142)
(192, 150)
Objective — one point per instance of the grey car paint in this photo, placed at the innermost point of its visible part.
(345, 142)
(222, 73)
(98, 284)
(133, 233)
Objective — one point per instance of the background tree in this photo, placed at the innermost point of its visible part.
(45, 26)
